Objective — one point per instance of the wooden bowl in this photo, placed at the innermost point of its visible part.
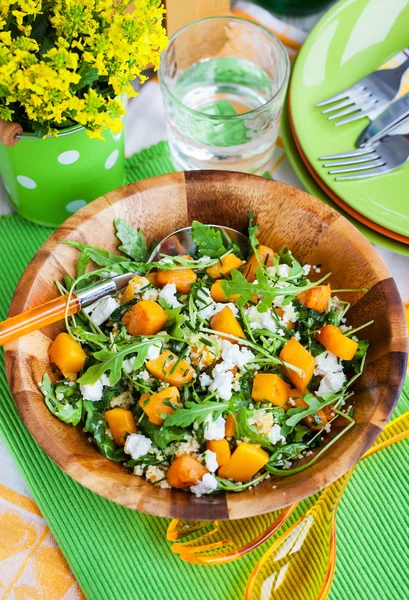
(286, 216)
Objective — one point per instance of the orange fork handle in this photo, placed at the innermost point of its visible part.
(38, 317)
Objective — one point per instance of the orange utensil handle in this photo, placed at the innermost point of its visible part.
(38, 317)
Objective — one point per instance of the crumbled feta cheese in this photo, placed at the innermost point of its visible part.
(137, 445)
(168, 293)
(124, 400)
(127, 365)
(222, 382)
(272, 271)
(93, 391)
(234, 356)
(332, 382)
(274, 435)
(306, 269)
(220, 305)
(138, 470)
(261, 320)
(325, 363)
(144, 375)
(210, 460)
(287, 465)
(190, 446)
(207, 484)
(101, 310)
(214, 430)
(150, 294)
(289, 313)
(317, 269)
(283, 271)
(297, 336)
(154, 473)
(205, 380)
(154, 351)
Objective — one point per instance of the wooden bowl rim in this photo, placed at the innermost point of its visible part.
(166, 503)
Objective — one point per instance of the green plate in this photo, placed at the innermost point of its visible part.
(354, 38)
(314, 189)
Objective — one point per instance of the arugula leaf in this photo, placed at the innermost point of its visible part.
(146, 460)
(208, 240)
(252, 232)
(239, 285)
(285, 453)
(175, 322)
(295, 415)
(82, 263)
(232, 486)
(183, 417)
(103, 258)
(133, 241)
(112, 361)
(96, 424)
(162, 436)
(244, 429)
(286, 258)
(68, 412)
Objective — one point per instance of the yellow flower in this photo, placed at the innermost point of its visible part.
(95, 49)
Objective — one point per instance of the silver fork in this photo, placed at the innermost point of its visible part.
(368, 97)
(382, 157)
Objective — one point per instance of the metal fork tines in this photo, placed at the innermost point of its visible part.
(368, 97)
(382, 157)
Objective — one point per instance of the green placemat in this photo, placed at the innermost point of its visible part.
(118, 554)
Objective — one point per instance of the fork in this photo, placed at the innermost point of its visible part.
(368, 97)
(384, 156)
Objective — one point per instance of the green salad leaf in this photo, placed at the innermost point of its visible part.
(103, 258)
(111, 360)
(287, 452)
(232, 486)
(209, 241)
(162, 436)
(69, 410)
(96, 424)
(194, 412)
(133, 241)
(239, 285)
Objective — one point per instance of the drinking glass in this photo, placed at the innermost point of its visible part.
(223, 81)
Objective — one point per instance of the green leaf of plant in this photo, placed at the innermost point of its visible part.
(112, 361)
(133, 241)
(162, 436)
(232, 486)
(244, 429)
(103, 258)
(96, 424)
(239, 285)
(83, 263)
(183, 417)
(67, 412)
(208, 240)
(287, 452)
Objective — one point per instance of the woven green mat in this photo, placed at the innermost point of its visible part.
(118, 554)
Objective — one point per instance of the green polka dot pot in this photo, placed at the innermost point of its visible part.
(47, 180)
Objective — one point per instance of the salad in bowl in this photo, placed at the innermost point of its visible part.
(210, 371)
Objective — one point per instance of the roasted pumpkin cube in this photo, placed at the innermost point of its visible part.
(316, 298)
(161, 403)
(217, 293)
(335, 341)
(185, 471)
(270, 387)
(295, 354)
(67, 354)
(225, 322)
(165, 368)
(120, 422)
(230, 427)
(145, 318)
(182, 278)
(266, 256)
(222, 450)
(245, 462)
(129, 291)
(224, 266)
